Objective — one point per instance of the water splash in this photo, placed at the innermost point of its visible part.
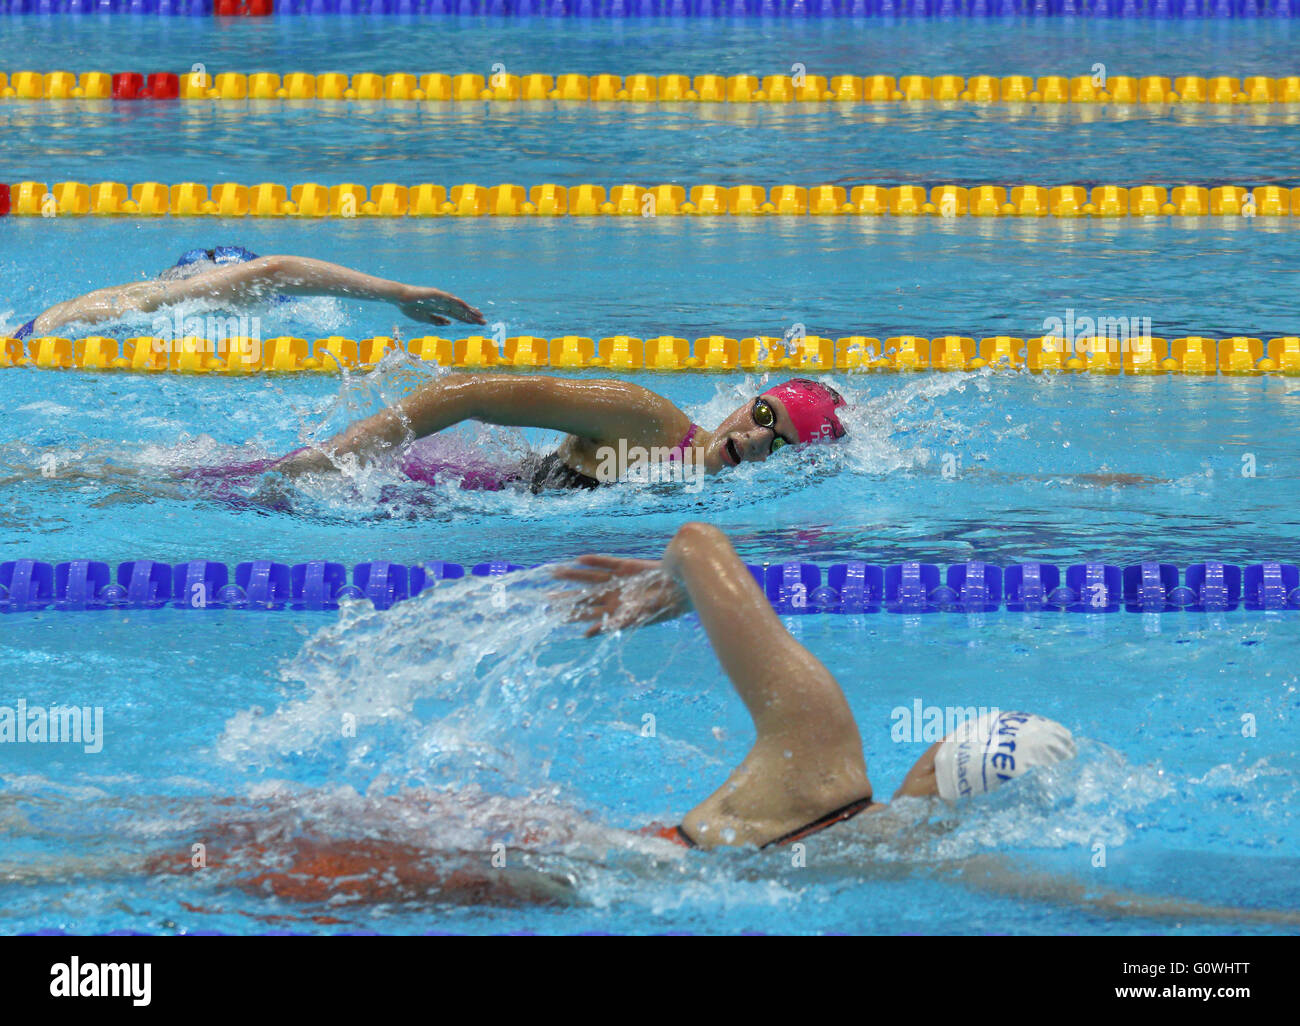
(464, 683)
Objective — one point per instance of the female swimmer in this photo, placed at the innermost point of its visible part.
(606, 422)
(232, 274)
(805, 773)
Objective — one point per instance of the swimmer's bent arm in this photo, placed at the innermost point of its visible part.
(807, 760)
(603, 411)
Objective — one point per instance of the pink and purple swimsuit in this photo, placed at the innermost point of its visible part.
(536, 473)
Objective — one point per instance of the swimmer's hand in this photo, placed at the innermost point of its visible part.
(304, 461)
(1104, 479)
(434, 306)
(1119, 480)
(624, 592)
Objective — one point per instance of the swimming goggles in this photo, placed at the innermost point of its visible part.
(765, 417)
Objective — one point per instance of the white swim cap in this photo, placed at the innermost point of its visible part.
(980, 754)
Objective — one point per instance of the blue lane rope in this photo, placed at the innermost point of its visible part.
(1245, 9)
(793, 588)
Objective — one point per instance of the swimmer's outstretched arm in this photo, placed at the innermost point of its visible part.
(1100, 479)
(807, 760)
(254, 279)
(1000, 876)
(602, 411)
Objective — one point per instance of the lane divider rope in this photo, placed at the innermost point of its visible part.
(391, 200)
(202, 8)
(1111, 355)
(794, 588)
(799, 87)
(1192, 9)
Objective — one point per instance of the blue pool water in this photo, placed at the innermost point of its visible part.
(470, 717)
(723, 46)
(609, 144)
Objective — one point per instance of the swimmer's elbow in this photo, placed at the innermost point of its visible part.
(697, 533)
(691, 543)
(276, 266)
(445, 402)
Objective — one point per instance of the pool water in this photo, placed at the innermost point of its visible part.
(724, 46)
(471, 716)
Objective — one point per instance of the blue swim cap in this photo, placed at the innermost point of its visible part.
(220, 255)
(233, 255)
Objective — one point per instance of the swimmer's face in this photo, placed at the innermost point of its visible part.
(920, 781)
(750, 434)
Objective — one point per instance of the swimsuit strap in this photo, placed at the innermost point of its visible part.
(25, 331)
(679, 836)
(817, 825)
(680, 448)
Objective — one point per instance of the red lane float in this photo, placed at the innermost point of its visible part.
(132, 85)
(243, 8)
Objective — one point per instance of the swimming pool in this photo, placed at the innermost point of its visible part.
(1186, 720)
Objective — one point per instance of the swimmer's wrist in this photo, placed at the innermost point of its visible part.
(298, 461)
(287, 465)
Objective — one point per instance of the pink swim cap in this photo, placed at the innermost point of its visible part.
(812, 407)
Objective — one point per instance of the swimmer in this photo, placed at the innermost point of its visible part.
(806, 771)
(805, 775)
(602, 420)
(233, 275)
